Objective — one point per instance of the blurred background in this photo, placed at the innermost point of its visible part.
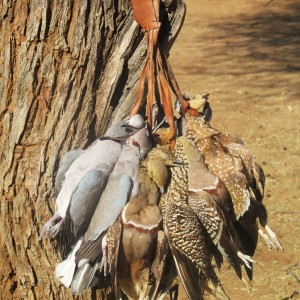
(246, 55)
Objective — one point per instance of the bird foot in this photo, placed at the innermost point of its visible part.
(104, 262)
(54, 230)
(50, 228)
(270, 239)
(246, 259)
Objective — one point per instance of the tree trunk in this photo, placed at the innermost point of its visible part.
(67, 69)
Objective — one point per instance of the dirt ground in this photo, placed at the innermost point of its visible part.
(246, 55)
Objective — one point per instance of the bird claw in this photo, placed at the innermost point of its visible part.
(104, 262)
(246, 259)
(50, 229)
(54, 230)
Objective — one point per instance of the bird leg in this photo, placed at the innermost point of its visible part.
(54, 230)
(104, 261)
(49, 228)
(246, 259)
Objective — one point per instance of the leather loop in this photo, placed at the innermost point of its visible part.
(146, 13)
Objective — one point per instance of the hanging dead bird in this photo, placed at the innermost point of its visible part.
(86, 256)
(185, 233)
(141, 223)
(209, 197)
(78, 166)
(231, 161)
(205, 191)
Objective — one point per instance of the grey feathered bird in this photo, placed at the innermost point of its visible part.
(64, 165)
(87, 254)
(78, 166)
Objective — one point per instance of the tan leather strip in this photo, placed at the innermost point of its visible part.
(140, 91)
(166, 99)
(146, 13)
(185, 106)
(149, 37)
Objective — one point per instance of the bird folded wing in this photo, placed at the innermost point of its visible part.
(64, 164)
(188, 274)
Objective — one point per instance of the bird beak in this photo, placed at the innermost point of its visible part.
(176, 163)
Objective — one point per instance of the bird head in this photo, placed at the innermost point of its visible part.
(163, 136)
(137, 121)
(158, 160)
(162, 154)
(120, 131)
(199, 103)
(140, 141)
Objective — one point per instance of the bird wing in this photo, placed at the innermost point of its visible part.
(83, 277)
(112, 201)
(188, 274)
(159, 264)
(209, 214)
(82, 206)
(213, 220)
(64, 164)
(252, 170)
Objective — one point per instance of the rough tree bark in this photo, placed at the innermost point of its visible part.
(67, 69)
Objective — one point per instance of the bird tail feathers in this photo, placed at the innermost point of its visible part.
(64, 271)
(83, 277)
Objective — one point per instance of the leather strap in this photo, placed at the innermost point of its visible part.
(146, 13)
(157, 73)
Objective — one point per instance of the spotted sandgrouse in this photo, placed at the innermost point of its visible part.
(230, 160)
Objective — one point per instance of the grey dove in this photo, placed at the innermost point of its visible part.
(102, 155)
(87, 255)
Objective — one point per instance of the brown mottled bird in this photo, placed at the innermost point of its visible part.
(206, 190)
(135, 254)
(227, 157)
(186, 234)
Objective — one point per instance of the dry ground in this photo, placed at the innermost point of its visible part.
(246, 55)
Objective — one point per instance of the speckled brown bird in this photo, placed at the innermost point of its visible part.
(185, 233)
(227, 157)
(206, 190)
(141, 220)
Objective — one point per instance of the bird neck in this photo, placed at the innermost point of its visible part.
(178, 188)
(199, 129)
(157, 171)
